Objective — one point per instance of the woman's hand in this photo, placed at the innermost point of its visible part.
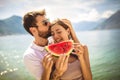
(79, 50)
(72, 32)
(82, 52)
(47, 65)
(67, 22)
(61, 66)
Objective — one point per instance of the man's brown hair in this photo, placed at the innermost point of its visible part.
(29, 19)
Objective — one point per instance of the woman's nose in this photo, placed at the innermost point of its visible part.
(56, 36)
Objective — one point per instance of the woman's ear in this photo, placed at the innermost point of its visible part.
(32, 30)
(68, 30)
(69, 33)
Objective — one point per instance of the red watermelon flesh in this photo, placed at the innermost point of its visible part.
(64, 47)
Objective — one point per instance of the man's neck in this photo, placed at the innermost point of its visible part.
(41, 41)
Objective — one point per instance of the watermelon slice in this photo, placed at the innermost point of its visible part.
(57, 49)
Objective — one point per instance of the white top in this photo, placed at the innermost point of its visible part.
(33, 57)
(33, 60)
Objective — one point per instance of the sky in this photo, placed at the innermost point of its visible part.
(74, 10)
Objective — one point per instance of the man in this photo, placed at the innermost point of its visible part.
(37, 25)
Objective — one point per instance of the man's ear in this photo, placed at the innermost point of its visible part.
(32, 30)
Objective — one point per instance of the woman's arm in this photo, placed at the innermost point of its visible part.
(72, 32)
(76, 40)
(85, 69)
(86, 56)
(80, 51)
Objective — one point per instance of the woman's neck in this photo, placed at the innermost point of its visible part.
(72, 59)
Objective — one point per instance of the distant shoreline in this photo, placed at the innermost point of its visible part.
(12, 34)
(76, 32)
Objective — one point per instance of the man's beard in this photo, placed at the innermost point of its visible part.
(44, 34)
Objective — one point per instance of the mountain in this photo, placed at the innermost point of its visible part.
(86, 25)
(112, 22)
(12, 25)
(83, 26)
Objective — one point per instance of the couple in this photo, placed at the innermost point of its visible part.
(41, 63)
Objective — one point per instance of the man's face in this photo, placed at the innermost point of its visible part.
(43, 26)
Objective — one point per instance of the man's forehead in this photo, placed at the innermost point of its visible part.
(40, 18)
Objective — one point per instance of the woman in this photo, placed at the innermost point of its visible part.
(69, 67)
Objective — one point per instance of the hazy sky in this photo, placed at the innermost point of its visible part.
(75, 10)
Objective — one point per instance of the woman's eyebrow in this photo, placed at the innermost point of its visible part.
(55, 30)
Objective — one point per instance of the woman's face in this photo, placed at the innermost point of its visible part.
(59, 33)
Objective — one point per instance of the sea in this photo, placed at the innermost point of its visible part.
(103, 46)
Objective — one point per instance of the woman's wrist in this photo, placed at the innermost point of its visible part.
(81, 57)
(45, 75)
(56, 75)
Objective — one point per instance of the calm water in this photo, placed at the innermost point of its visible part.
(104, 51)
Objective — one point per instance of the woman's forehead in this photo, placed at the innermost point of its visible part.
(56, 27)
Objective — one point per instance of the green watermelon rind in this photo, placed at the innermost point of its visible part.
(46, 47)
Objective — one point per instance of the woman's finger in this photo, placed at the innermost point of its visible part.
(48, 64)
(62, 61)
(66, 60)
(51, 64)
(58, 61)
(46, 59)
